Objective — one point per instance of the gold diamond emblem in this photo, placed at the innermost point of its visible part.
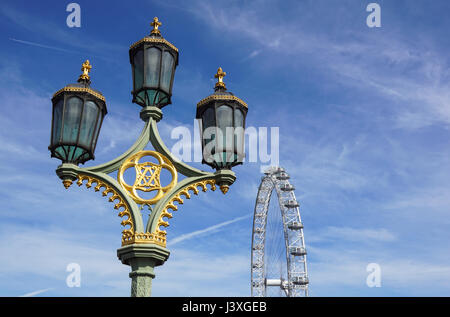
(148, 176)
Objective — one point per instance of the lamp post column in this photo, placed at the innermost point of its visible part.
(142, 258)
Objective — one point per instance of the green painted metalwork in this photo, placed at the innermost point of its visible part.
(152, 223)
(159, 146)
(114, 164)
(144, 257)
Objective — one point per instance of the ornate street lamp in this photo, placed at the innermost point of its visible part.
(78, 111)
(222, 123)
(153, 61)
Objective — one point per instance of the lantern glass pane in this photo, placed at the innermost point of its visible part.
(238, 118)
(97, 131)
(60, 151)
(239, 133)
(225, 120)
(224, 159)
(224, 116)
(208, 118)
(167, 68)
(74, 153)
(153, 57)
(163, 98)
(72, 113)
(57, 120)
(88, 122)
(153, 97)
(138, 69)
(141, 96)
(208, 133)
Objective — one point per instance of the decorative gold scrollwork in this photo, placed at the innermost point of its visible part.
(126, 233)
(159, 236)
(148, 176)
(177, 198)
(145, 238)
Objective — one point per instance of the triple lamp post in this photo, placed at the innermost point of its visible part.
(78, 113)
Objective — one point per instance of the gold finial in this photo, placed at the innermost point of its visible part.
(220, 75)
(67, 183)
(224, 188)
(156, 24)
(86, 68)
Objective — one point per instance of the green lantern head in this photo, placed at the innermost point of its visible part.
(78, 112)
(222, 123)
(153, 61)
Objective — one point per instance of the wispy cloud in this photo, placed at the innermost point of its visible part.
(194, 273)
(361, 235)
(201, 232)
(62, 246)
(405, 72)
(352, 139)
(338, 270)
(45, 46)
(253, 54)
(60, 49)
(36, 292)
(57, 33)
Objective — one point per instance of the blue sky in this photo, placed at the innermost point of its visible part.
(363, 114)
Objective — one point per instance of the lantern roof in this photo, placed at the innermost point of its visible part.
(154, 37)
(220, 92)
(83, 84)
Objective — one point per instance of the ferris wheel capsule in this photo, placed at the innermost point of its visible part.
(291, 203)
(297, 251)
(282, 176)
(287, 187)
(295, 225)
(300, 280)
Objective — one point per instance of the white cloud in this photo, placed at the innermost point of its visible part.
(333, 166)
(412, 74)
(361, 235)
(202, 232)
(193, 273)
(436, 199)
(44, 46)
(57, 32)
(334, 272)
(31, 294)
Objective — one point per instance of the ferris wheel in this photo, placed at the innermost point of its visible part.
(278, 261)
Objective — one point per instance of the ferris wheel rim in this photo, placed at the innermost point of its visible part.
(297, 274)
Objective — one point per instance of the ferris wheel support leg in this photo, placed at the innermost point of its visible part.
(142, 258)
